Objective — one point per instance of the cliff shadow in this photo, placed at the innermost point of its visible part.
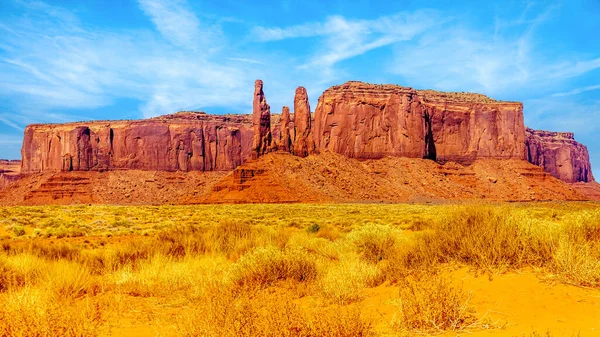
(430, 150)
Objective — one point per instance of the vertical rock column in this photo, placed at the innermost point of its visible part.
(303, 143)
(286, 140)
(261, 122)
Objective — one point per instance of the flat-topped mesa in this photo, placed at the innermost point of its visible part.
(304, 143)
(177, 142)
(559, 154)
(261, 122)
(363, 121)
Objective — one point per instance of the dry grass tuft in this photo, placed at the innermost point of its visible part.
(228, 313)
(31, 312)
(266, 265)
(431, 304)
(343, 282)
(577, 257)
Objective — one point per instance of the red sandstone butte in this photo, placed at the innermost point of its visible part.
(560, 155)
(183, 141)
(362, 120)
(261, 122)
(355, 119)
(304, 143)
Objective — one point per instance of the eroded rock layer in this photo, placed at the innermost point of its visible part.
(560, 155)
(184, 141)
(363, 121)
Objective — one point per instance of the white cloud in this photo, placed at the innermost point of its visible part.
(60, 64)
(6, 120)
(265, 34)
(461, 58)
(343, 39)
(177, 23)
(577, 91)
(569, 69)
(563, 113)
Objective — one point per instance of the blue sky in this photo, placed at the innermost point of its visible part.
(70, 60)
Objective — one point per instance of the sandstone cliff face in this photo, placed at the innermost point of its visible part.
(559, 154)
(362, 120)
(465, 127)
(179, 142)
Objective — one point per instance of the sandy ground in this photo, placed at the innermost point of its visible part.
(519, 303)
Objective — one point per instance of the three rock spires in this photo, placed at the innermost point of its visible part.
(298, 141)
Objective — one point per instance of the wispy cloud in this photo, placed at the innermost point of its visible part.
(7, 121)
(10, 139)
(459, 57)
(177, 23)
(241, 59)
(569, 69)
(344, 39)
(57, 63)
(577, 91)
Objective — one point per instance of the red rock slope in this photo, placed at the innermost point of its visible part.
(283, 177)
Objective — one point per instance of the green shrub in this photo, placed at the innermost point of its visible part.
(18, 230)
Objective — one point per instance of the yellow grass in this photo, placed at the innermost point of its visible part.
(275, 270)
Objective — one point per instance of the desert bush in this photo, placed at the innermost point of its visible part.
(266, 265)
(374, 242)
(162, 276)
(228, 313)
(577, 256)
(329, 232)
(480, 235)
(20, 271)
(69, 280)
(342, 282)
(487, 237)
(42, 249)
(18, 230)
(314, 228)
(233, 239)
(577, 262)
(432, 304)
(31, 312)
(9, 278)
